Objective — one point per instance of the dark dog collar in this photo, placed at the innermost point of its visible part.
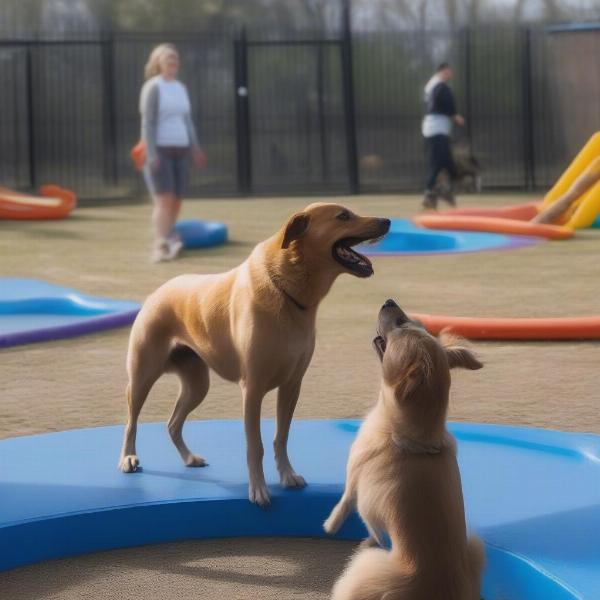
(282, 290)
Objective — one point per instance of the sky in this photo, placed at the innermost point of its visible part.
(367, 14)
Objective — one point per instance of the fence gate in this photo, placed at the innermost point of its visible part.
(291, 116)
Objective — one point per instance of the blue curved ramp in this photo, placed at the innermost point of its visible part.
(533, 495)
(407, 238)
(36, 311)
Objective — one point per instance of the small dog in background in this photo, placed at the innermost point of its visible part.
(403, 477)
(371, 163)
(467, 179)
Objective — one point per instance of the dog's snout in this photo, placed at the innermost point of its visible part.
(389, 303)
(385, 224)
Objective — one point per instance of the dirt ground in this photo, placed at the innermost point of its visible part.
(80, 382)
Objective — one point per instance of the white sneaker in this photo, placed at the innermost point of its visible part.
(161, 251)
(175, 245)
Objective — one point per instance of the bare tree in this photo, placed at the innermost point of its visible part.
(20, 16)
(553, 10)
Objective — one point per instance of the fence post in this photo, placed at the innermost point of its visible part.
(467, 79)
(321, 114)
(110, 120)
(349, 105)
(242, 113)
(527, 110)
(31, 154)
(17, 120)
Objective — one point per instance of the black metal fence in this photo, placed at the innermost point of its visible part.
(303, 115)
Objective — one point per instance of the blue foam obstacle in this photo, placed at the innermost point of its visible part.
(35, 311)
(405, 237)
(201, 234)
(533, 496)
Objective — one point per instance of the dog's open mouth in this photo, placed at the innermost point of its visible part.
(352, 260)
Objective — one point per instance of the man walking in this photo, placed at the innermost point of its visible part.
(440, 114)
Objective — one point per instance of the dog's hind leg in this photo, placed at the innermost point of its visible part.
(375, 539)
(194, 378)
(145, 363)
(287, 398)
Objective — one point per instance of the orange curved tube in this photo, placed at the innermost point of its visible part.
(54, 203)
(520, 212)
(493, 225)
(566, 328)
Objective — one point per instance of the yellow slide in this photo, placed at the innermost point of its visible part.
(585, 210)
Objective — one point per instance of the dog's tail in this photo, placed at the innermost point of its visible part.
(372, 574)
(376, 574)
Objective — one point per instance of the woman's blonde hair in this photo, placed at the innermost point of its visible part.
(152, 67)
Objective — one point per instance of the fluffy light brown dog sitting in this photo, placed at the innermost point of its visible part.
(403, 476)
(254, 325)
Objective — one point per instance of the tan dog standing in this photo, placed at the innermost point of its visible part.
(403, 476)
(254, 325)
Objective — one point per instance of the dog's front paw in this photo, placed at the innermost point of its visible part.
(193, 460)
(291, 479)
(259, 494)
(129, 463)
(337, 517)
(330, 526)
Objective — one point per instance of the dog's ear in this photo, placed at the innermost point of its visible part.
(405, 369)
(410, 380)
(379, 347)
(459, 355)
(296, 227)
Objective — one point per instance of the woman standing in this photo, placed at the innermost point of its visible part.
(170, 140)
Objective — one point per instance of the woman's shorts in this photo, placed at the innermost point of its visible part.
(172, 174)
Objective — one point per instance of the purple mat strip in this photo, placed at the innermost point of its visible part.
(66, 331)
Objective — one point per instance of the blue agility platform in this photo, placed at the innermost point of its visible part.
(35, 311)
(407, 238)
(533, 496)
(201, 234)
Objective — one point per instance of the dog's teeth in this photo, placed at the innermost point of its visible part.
(349, 256)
